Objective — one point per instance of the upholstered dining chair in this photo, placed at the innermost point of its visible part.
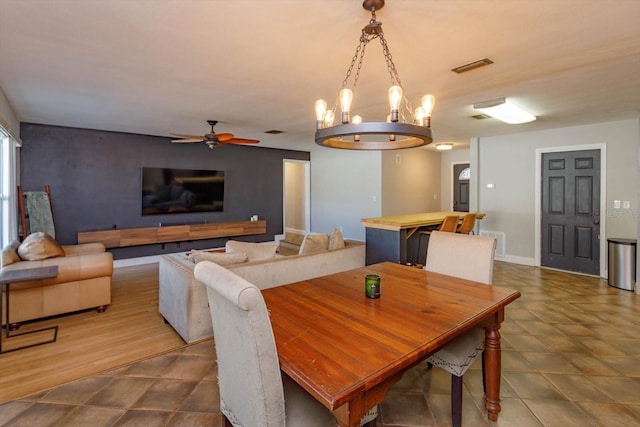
(253, 391)
(468, 221)
(449, 225)
(468, 257)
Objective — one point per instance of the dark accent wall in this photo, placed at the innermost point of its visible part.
(95, 179)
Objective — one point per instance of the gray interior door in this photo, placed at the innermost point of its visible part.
(461, 187)
(570, 211)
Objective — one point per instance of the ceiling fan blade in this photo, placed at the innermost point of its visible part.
(187, 136)
(242, 141)
(223, 136)
(186, 140)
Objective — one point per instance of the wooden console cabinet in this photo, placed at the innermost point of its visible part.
(122, 237)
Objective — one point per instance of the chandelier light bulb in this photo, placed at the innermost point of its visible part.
(346, 96)
(329, 117)
(419, 115)
(321, 110)
(428, 101)
(356, 120)
(395, 97)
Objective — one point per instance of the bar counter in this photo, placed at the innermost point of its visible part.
(389, 237)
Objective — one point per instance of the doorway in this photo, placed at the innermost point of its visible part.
(296, 209)
(570, 201)
(461, 177)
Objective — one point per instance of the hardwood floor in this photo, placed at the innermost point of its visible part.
(89, 342)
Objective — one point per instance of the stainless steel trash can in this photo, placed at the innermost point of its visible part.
(622, 263)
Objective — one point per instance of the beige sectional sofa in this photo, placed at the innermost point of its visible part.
(183, 300)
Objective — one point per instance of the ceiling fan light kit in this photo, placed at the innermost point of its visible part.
(212, 139)
(503, 109)
(404, 126)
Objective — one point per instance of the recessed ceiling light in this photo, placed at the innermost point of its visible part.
(504, 110)
(444, 146)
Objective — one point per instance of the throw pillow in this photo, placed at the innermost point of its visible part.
(217, 257)
(255, 251)
(336, 241)
(10, 253)
(293, 238)
(39, 246)
(314, 243)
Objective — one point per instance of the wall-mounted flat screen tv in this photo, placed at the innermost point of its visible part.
(175, 191)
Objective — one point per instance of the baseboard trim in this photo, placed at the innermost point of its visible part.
(516, 260)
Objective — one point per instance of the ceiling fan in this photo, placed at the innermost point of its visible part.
(212, 139)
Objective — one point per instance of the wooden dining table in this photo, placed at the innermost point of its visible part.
(347, 350)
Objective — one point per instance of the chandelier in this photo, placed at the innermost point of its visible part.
(404, 126)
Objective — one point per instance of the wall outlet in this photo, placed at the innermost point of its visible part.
(616, 204)
(626, 204)
(374, 198)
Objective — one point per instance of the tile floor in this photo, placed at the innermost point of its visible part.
(571, 357)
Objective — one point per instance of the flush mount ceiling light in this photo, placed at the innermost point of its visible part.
(404, 127)
(444, 146)
(504, 110)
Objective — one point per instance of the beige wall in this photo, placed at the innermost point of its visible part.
(509, 162)
(344, 183)
(345, 187)
(410, 181)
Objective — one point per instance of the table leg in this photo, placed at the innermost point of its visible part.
(9, 335)
(492, 367)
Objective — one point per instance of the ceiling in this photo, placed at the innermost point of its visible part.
(155, 67)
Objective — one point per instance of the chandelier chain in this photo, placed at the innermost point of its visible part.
(353, 61)
(393, 72)
(391, 67)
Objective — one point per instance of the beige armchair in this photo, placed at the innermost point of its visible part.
(468, 257)
(253, 391)
(83, 280)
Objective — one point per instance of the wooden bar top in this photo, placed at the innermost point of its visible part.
(399, 222)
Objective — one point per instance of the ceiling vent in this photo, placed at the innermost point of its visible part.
(274, 131)
(481, 116)
(472, 66)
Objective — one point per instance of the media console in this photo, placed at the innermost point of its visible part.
(123, 237)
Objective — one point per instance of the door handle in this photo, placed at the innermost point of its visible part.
(596, 219)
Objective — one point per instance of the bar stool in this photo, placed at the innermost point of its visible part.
(449, 224)
(467, 224)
